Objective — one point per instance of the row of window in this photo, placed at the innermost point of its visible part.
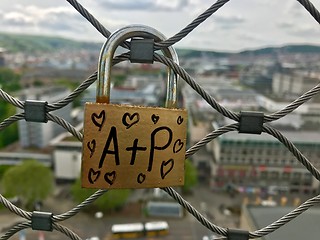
(266, 161)
(296, 178)
(265, 145)
(266, 151)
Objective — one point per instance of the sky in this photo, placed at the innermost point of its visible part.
(238, 25)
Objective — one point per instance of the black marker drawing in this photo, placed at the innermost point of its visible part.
(177, 146)
(106, 150)
(153, 145)
(92, 147)
(110, 177)
(134, 150)
(93, 175)
(166, 167)
(130, 119)
(98, 120)
(179, 120)
(141, 177)
(155, 118)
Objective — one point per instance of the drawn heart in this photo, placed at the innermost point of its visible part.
(141, 177)
(179, 120)
(155, 118)
(93, 175)
(166, 167)
(177, 146)
(92, 147)
(130, 119)
(98, 120)
(110, 177)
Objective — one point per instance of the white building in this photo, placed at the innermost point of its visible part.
(66, 155)
(34, 134)
(293, 83)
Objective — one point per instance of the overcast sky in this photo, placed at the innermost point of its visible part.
(238, 25)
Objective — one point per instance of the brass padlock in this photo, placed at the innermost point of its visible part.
(132, 146)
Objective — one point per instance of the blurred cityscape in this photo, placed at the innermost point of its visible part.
(240, 176)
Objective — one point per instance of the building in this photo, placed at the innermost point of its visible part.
(2, 57)
(135, 91)
(304, 226)
(248, 161)
(293, 83)
(34, 134)
(66, 155)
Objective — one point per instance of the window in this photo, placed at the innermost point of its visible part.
(264, 174)
(274, 175)
(307, 179)
(285, 175)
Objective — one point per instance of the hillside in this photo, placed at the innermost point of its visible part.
(32, 44)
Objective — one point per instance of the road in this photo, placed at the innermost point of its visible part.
(85, 225)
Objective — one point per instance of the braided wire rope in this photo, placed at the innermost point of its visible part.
(90, 18)
(18, 227)
(190, 27)
(311, 9)
(15, 102)
(7, 122)
(208, 138)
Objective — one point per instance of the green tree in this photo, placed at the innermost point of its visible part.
(190, 176)
(31, 181)
(110, 201)
(9, 134)
(3, 169)
(9, 80)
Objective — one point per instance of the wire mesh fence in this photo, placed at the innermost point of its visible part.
(54, 220)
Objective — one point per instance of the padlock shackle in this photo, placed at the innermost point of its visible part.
(107, 53)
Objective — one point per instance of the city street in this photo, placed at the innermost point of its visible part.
(86, 226)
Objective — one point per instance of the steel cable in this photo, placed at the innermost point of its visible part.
(15, 209)
(66, 231)
(66, 125)
(209, 137)
(184, 75)
(311, 9)
(15, 102)
(18, 227)
(7, 122)
(294, 105)
(190, 27)
(290, 146)
(286, 218)
(82, 205)
(94, 22)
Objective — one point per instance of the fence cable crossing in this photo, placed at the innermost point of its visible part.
(267, 129)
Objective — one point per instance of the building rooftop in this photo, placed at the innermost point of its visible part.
(304, 226)
(294, 136)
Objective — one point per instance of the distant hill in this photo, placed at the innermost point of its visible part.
(257, 52)
(201, 53)
(284, 49)
(32, 44)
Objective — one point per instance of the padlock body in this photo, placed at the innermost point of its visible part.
(133, 146)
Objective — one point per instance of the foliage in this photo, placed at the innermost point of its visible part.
(190, 176)
(3, 169)
(110, 201)
(9, 80)
(31, 181)
(119, 79)
(9, 134)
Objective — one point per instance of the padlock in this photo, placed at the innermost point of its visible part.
(128, 146)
